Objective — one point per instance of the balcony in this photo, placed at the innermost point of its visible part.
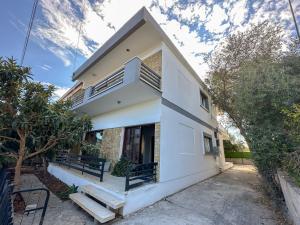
(132, 84)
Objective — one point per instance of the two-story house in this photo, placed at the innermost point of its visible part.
(147, 104)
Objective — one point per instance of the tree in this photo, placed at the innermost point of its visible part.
(292, 122)
(230, 147)
(262, 41)
(253, 80)
(262, 92)
(30, 119)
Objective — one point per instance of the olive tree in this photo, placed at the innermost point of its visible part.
(253, 80)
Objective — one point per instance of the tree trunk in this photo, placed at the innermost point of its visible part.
(17, 178)
(44, 164)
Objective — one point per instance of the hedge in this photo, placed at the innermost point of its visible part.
(244, 155)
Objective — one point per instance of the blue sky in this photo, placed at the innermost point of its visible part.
(196, 27)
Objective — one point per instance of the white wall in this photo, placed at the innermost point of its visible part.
(182, 142)
(180, 87)
(146, 112)
(182, 147)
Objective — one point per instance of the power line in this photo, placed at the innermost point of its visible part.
(29, 30)
(78, 38)
(294, 18)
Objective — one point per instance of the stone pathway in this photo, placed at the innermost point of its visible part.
(58, 212)
(231, 198)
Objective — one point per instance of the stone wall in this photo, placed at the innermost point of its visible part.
(154, 62)
(111, 146)
(157, 147)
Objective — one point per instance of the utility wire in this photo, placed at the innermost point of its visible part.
(78, 38)
(29, 30)
(295, 21)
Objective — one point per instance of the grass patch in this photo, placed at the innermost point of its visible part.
(238, 155)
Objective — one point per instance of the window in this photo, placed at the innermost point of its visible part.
(94, 137)
(208, 144)
(204, 100)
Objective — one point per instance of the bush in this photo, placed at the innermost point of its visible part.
(121, 168)
(242, 155)
(65, 195)
(229, 147)
(89, 149)
(291, 164)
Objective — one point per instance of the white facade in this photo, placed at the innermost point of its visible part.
(183, 121)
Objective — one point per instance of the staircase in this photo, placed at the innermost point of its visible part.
(98, 203)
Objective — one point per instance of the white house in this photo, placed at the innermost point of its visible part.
(148, 105)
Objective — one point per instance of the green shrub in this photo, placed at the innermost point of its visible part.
(65, 194)
(121, 167)
(291, 164)
(89, 149)
(242, 155)
(229, 147)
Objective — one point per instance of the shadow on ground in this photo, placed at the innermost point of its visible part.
(234, 197)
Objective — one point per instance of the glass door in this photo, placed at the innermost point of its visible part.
(132, 144)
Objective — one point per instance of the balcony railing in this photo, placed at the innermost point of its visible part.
(132, 71)
(108, 83)
(77, 99)
(149, 77)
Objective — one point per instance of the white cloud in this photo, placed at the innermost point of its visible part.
(45, 67)
(97, 21)
(238, 12)
(60, 91)
(215, 20)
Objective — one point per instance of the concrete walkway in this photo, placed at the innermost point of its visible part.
(231, 198)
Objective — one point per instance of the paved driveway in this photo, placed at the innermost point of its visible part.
(234, 198)
(231, 198)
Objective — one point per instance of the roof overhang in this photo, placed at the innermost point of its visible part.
(138, 20)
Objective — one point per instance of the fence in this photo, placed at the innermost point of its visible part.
(140, 174)
(6, 206)
(86, 164)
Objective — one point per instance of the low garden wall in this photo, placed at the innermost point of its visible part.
(291, 194)
(239, 157)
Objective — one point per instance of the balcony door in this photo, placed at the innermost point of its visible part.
(138, 146)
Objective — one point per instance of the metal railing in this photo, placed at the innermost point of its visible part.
(140, 174)
(77, 99)
(5, 199)
(6, 215)
(113, 80)
(145, 73)
(43, 208)
(148, 76)
(86, 164)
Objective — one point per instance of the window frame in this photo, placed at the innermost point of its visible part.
(203, 97)
(206, 135)
(94, 132)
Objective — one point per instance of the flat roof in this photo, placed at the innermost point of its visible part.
(135, 22)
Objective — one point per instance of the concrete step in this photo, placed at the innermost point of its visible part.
(93, 208)
(103, 196)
